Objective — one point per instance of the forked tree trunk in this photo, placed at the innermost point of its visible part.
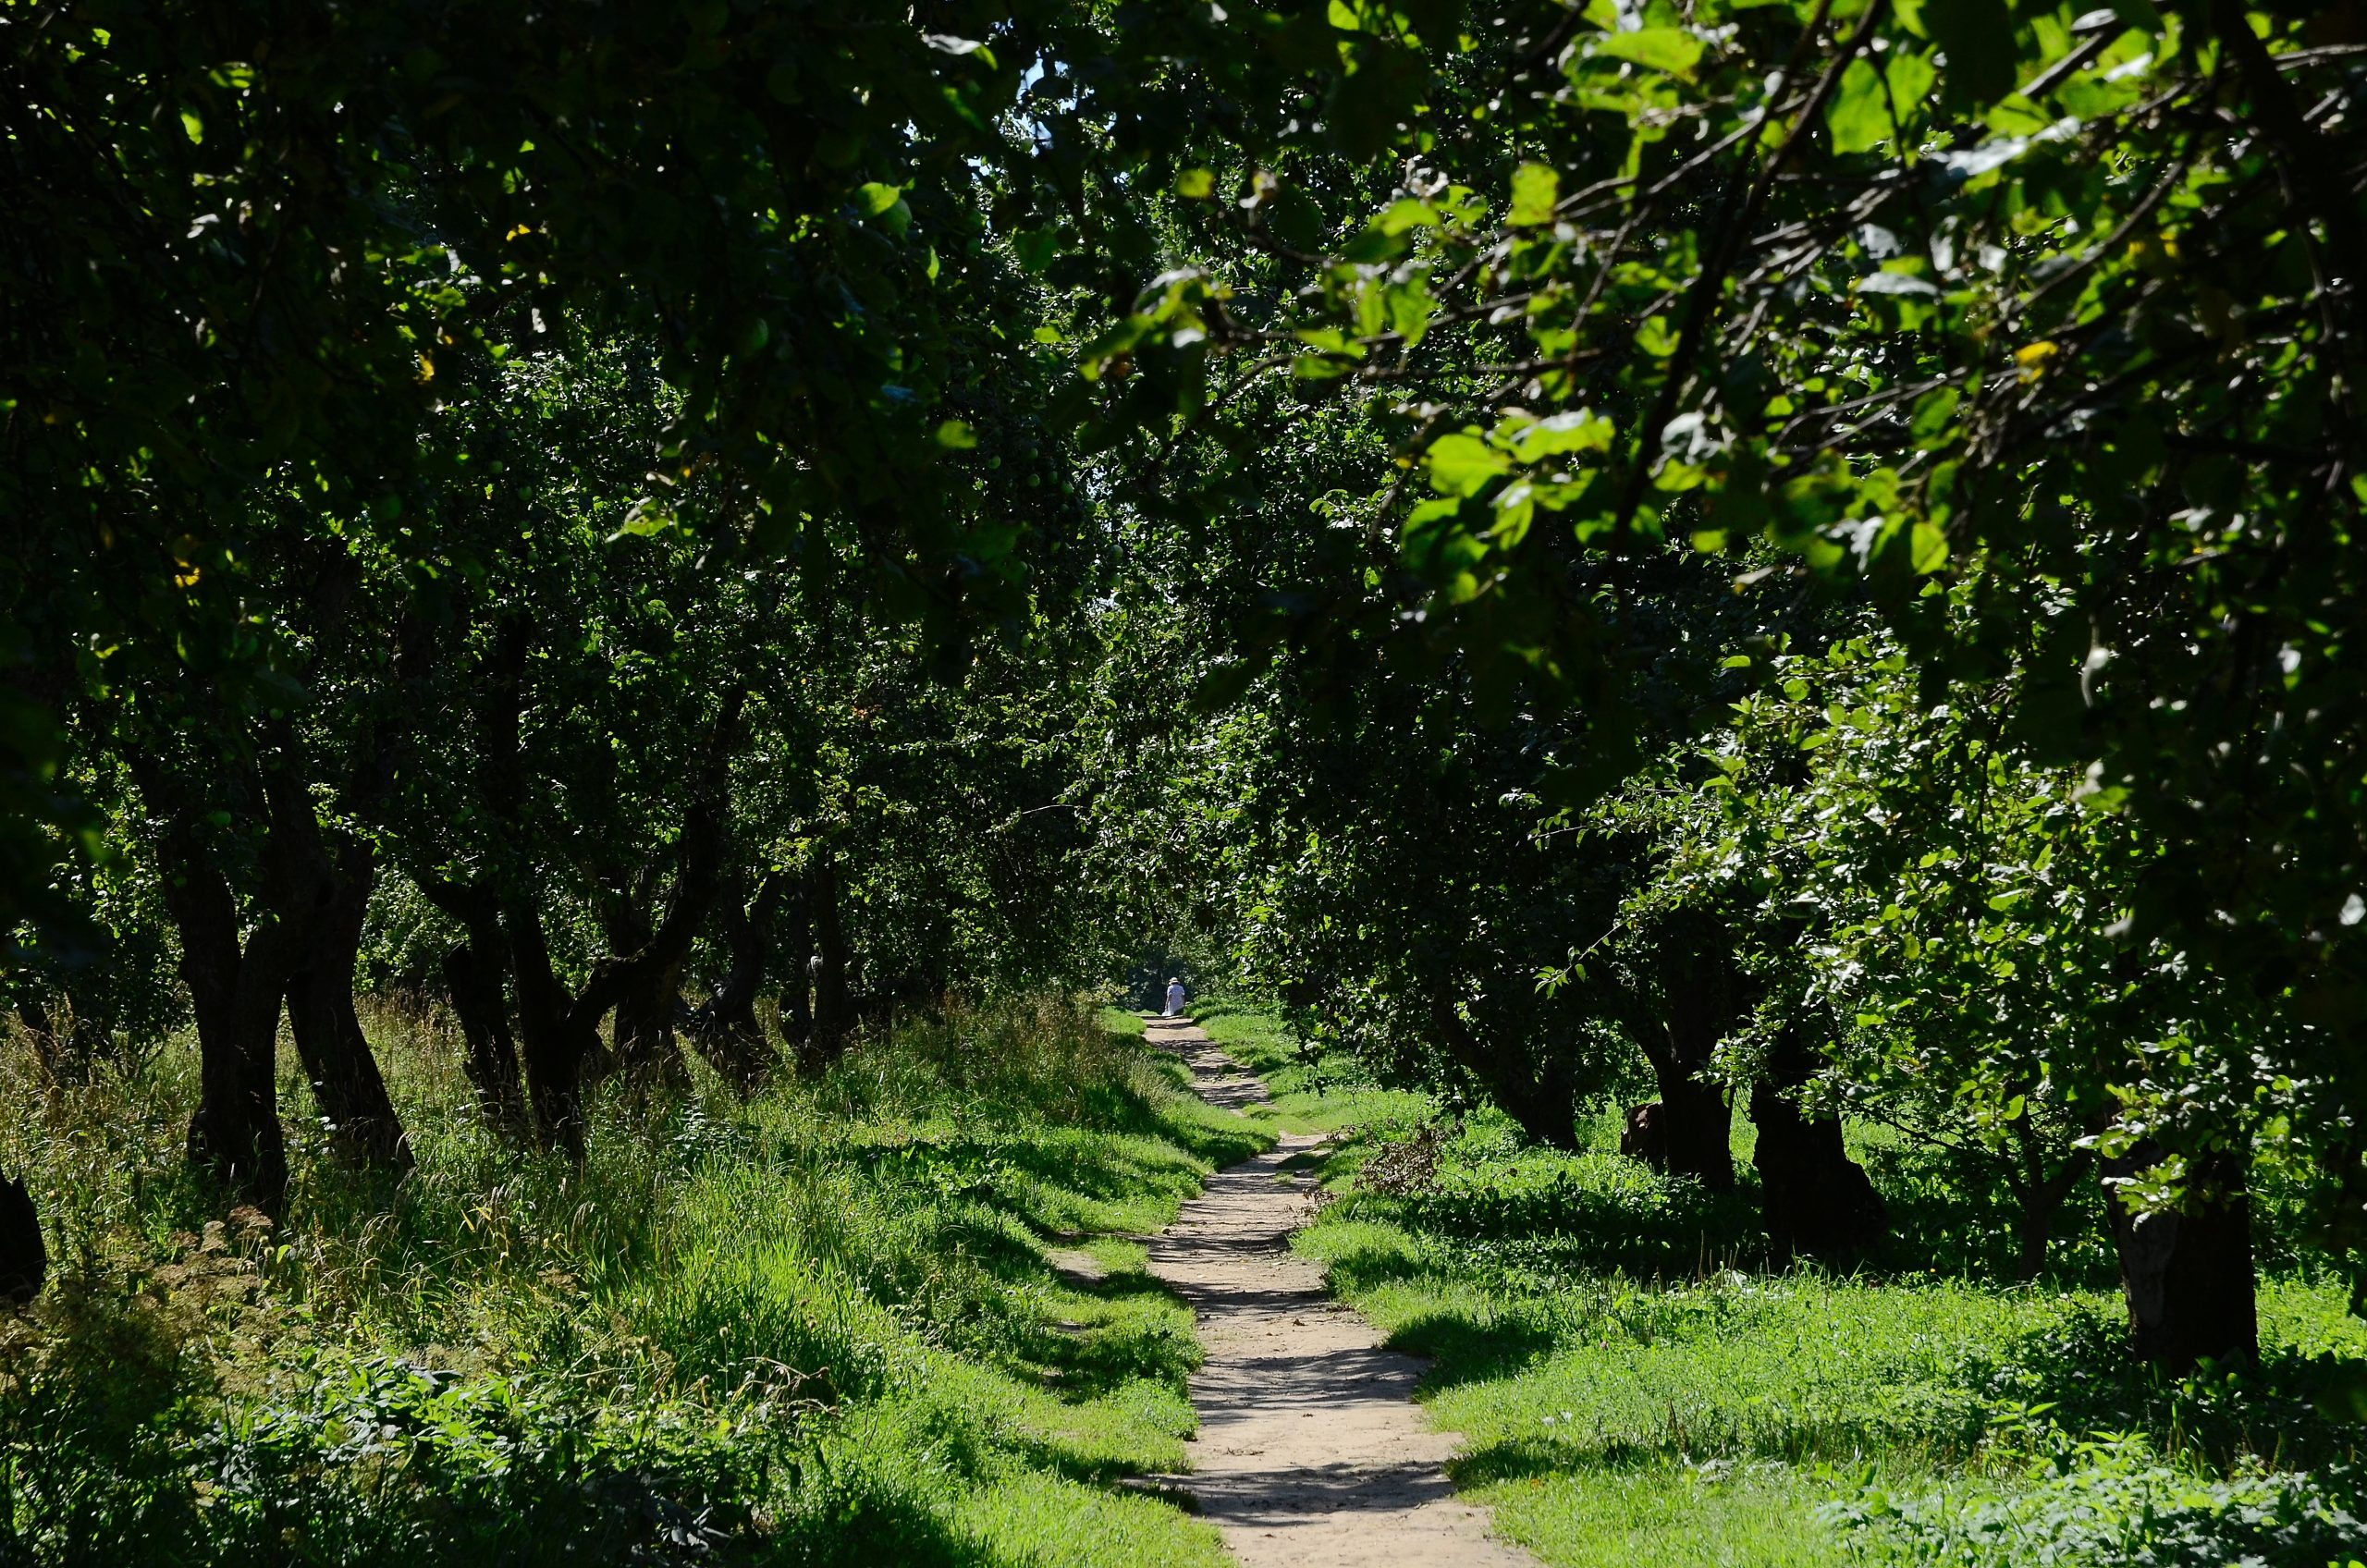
(554, 1045)
(473, 975)
(336, 1057)
(235, 991)
(1813, 1197)
(1699, 1000)
(2037, 1196)
(1543, 1103)
(2187, 1273)
(725, 1028)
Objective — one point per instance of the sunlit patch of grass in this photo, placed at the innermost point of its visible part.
(818, 1328)
(1624, 1391)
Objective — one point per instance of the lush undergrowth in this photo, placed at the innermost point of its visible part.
(1625, 1394)
(828, 1327)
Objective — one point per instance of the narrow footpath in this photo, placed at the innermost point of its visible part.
(1311, 1453)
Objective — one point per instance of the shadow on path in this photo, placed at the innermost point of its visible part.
(1311, 1453)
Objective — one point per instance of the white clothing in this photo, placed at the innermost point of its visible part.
(1174, 1000)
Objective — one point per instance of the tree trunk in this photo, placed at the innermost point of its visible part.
(473, 975)
(647, 1050)
(2038, 1200)
(725, 1027)
(1813, 1197)
(1695, 1123)
(833, 1003)
(1544, 1104)
(336, 1057)
(552, 1044)
(797, 984)
(2187, 1273)
(1698, 1000)
(52, 1051)
(236, 994)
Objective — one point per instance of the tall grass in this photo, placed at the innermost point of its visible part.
(820, 1328)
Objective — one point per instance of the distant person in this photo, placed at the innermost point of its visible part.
(1174, 998)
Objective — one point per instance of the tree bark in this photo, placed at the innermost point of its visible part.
(2037, 1196)
(725, 1027)
(52, 1051)
(833, 1002)
(797, 984)
(2187, 1273)
(1698, 1000)
(351, 1090)
(473, 973)
(235, 991)
(554, 1044)
(647, 1050)
(1544, 1104)
(1813, 1197)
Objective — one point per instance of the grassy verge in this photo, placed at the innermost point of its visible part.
(887, 1317)
(1624, 1397)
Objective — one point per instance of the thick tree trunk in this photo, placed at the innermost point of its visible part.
(1813, 1197)
(2187, 1273)
(336, 1057)
(1695, 1124)
(236, 994)
(1544, 1104)
(647, 1050)
(1698, 1000)
(553, 1046)
(725, 1027)
(473, 975)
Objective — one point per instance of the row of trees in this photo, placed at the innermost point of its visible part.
(1814, 540)
(1859, 608)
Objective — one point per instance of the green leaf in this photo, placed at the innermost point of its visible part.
(1577, 430)
(1464, 464)
(1655, 338)
(1933, 412)
(875, 199)
(955, 436)
(1859, 116)
(1196, 185)
(1036, 247)
(1929, 548)
(1536, 187)
(1910, 76)
(1670, 49)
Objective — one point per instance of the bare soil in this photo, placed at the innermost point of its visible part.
(1311, 1453)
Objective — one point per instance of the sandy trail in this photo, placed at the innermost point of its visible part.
(1311, 1453)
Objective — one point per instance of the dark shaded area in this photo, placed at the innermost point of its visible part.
(24, 1256)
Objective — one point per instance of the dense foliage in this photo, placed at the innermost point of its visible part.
(1786, 564)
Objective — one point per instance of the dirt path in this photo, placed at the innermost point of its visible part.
(1311, 1453)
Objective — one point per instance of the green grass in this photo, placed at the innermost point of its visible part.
(820, 1328)
(1624, 1394)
